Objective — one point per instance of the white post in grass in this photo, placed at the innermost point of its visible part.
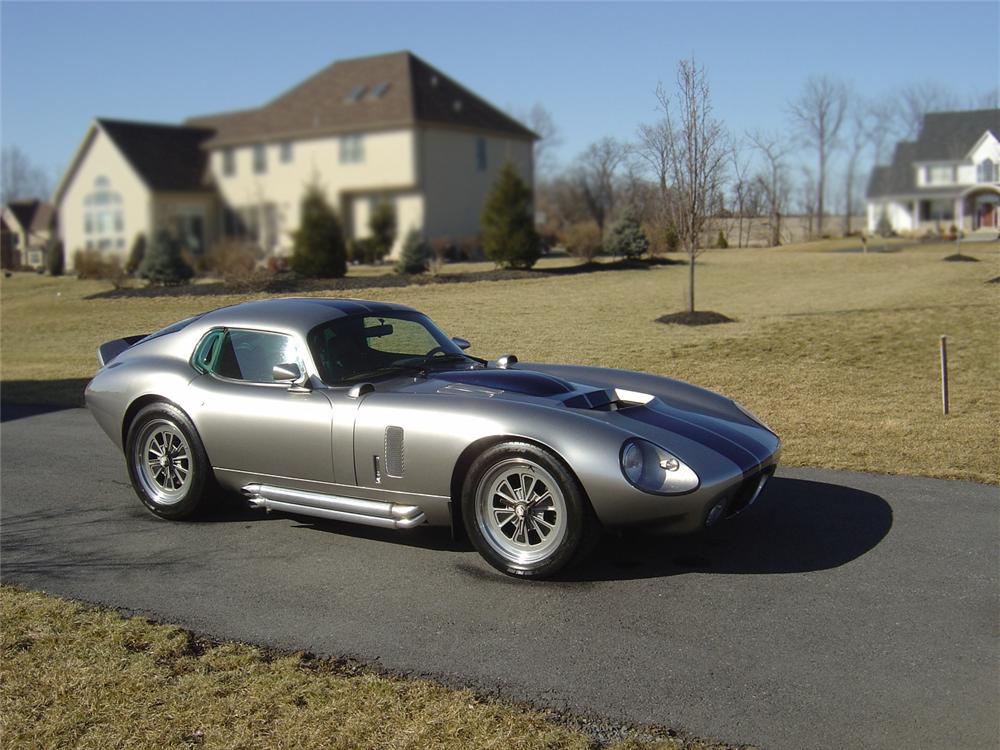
(944, 374)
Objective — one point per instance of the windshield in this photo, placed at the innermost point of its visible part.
(359, 347)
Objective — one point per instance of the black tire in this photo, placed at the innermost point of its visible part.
(176, 488)
(545, 535)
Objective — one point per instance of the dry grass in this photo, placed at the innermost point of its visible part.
(837, 351)
(89, 678)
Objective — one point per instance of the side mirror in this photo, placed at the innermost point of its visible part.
(287, 372)
(506, 361)
(361, 389)
(461, 343)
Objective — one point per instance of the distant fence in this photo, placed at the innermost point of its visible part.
(757, 231)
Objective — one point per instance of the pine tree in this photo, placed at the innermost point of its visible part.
(415, 254)
(508, 226)
(136, 254)
(163, 263)
(382, 224)
(671, 239)
(721, 242)
(319, 250)
(627, 238)
(55, 258)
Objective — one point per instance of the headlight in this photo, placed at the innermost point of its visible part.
(632, 462)
(653, 469)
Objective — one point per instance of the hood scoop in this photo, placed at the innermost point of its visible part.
(515, 381)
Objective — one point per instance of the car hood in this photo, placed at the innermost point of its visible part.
(659, 409)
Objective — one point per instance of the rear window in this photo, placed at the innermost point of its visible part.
(180, 325)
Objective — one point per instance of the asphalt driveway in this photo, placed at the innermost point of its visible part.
(844, 610)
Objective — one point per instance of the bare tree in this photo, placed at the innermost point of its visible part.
(916, 100)
(20, 179)
(988, 99)
(540, 120)
(773, 148)
(818, 114)
(742, 185)
(596, 176)
(807, 197)
(857, 140)
(880, 125)
(697, 153)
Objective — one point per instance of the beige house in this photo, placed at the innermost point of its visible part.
(25, 228)
(385, 128)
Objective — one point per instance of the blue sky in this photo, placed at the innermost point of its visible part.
(593, 65)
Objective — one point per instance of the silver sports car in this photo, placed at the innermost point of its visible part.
(366, 412)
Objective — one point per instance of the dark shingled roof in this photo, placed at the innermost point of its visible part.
(166, 157)
(948, 136)
(24, 211)
(384, 91)
(944, 136)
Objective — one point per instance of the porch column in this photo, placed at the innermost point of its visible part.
(916, 215)
(960, 213)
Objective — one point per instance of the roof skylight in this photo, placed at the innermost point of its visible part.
(378, 91)
(356, 93)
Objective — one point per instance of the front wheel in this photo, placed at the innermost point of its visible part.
(525, 512)
(167, 462)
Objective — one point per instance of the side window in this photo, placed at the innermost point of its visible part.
(247, 355)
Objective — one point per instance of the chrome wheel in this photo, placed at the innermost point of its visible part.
(163, 462)
(521, 511)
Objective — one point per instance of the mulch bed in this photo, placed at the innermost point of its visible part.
(994, 280)
(289, 283)
(697, 318)
(960, 258)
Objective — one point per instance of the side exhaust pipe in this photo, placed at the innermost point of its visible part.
(334, 507)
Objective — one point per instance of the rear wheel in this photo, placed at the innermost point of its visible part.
(525, 512)
(167, 462)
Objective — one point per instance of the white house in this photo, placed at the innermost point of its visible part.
(949, 176)
(384, 128)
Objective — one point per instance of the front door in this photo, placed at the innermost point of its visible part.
(253, 428)
(987, 215)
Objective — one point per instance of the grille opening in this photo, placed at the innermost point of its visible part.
(394, 459)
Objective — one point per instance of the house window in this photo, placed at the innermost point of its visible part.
(941, 175)
(986, 171)
(259, 158)
(102, 213)
(481, 154)
(352, 149)
(228, 162)
(286, 152)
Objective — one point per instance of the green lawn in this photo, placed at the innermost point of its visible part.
(836, 351)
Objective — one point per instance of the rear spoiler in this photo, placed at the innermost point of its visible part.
(111, 349)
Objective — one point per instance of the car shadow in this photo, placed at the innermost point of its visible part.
(27, 398)
(796, 526)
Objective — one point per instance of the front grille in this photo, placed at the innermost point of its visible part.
(746, 491)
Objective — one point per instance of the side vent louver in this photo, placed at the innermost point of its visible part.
(394, 451)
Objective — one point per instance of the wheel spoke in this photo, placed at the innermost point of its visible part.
(527, 486)
(539, 520)
(507, 495)
(545, 497)
(503, 516)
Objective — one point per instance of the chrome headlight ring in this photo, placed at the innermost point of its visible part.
(652, 469)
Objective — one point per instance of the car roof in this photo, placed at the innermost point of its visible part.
(300, 314)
